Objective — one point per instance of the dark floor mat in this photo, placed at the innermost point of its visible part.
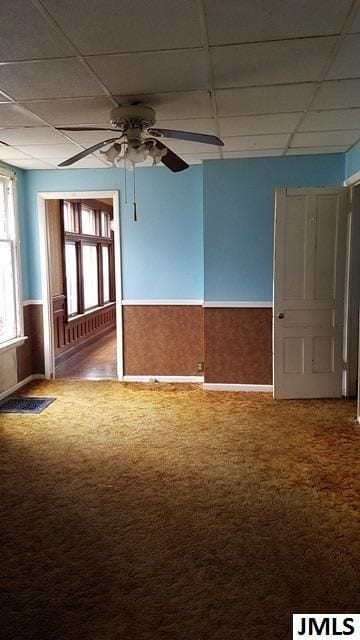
(25, 404)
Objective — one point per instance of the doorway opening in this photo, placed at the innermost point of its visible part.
(81, 285)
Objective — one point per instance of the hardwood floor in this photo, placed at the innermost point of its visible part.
(97, 361)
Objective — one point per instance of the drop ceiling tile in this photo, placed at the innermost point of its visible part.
(59, 78)
(346, 63)
(93, 164)
(261, 153)
(31, 135)
(111, 26)
(248, 125)
(253, 143)
(53, 162)
(28, 35)
(355, 27)
(90, 162)
(231, 21)
(163, 71)
(267, 99)
(337, 94)
(192, 148)
(11, 153)
(189, 157)
(195, 160)
(44, 151)
(73, 111)
(300, 151)
(12, 115)
(200, 125)
(325, 138)
(265, 63)
(331, 120)
(175, 106)
(32, 163)
(88, 138)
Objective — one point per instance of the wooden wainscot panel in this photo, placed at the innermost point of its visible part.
(238, 345)
(71, 336)
(163, 340)
(30, 356)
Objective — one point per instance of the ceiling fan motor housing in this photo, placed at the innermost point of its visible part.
(137, 116)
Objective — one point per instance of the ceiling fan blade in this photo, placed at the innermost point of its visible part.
(187, 135)
(171, 160)
(86, 152)
(84, 129)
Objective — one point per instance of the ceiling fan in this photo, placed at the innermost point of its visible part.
(137, 139)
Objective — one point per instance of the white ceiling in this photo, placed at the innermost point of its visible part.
(270, 78)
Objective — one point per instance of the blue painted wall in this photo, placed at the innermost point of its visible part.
(352, 161)
(212, 223)
(239, 215)
(161, 253)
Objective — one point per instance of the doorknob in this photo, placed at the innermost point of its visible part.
(281, 316)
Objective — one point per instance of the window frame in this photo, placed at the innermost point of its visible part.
(100, 300)
(80, 239)
(10, 183)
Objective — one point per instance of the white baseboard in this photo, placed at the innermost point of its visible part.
(22, 383)
(218, 386)
(168, 302)
(189, 379)
(207, 386)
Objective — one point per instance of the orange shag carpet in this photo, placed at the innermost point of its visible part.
(164, 512)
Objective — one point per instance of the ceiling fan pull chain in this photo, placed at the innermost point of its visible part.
(135, 212)
(125, 181)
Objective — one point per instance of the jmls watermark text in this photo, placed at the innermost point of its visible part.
(332, 626)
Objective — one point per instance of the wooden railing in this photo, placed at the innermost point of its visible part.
(72, 336)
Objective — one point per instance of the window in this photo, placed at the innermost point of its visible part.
(88, 255)
(9, 317)
(70, 217)
(88, 221)
(90, 273)
(105, 225)
(71, 278)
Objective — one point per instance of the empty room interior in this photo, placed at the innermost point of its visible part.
(179, 319)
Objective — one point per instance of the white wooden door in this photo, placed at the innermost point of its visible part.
(309, 284)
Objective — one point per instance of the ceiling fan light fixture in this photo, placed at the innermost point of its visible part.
(157, 154)
(112, 153)
(134, 123)
(136, 153)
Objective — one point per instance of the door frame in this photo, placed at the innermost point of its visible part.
(354, 182)
(352, 294)
(42, 197)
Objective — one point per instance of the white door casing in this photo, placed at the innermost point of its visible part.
(309, 284)
(352, 293)
(42, 197)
